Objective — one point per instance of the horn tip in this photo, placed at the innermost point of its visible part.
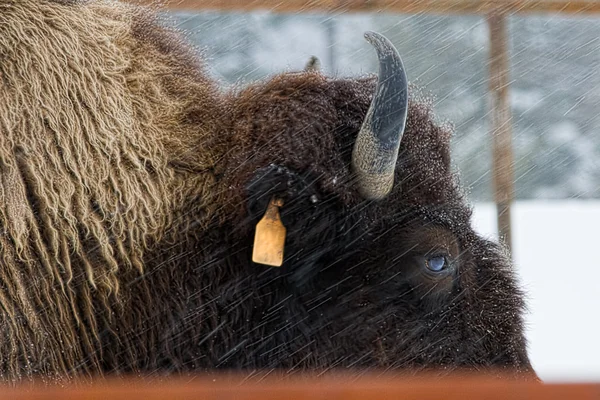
(371, 36)
(382, 44)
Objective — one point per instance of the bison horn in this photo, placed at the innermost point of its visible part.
(376, 148)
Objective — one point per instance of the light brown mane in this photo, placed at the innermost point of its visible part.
(92, 155)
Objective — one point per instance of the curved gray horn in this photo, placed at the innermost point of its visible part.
(376, 148)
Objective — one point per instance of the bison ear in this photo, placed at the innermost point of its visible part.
(296, 190)
(311, 219)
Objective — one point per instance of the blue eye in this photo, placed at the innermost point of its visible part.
(437, 263)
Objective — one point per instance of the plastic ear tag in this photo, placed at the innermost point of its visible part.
(269, 239)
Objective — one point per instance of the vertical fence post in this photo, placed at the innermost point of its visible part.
(503, 175)
(331, 39)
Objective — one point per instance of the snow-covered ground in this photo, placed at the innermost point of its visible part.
(557, 255)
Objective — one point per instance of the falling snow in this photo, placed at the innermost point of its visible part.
(554, 81)
(555, 102)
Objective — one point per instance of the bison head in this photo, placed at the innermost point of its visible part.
(382, 266)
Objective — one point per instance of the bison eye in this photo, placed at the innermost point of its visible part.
(436, 263)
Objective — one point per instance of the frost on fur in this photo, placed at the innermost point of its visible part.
(131, 186)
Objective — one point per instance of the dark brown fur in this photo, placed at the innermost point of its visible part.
(131, 187)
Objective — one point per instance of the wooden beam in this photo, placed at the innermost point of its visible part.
(387, 6)
(500, 124)
(304, 388)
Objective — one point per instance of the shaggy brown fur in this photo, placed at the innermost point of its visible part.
(131, 186)
(97, 149)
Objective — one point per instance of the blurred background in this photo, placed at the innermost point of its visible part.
(555, 100)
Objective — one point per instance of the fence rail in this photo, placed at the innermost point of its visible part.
(304, 388)
(397, 6)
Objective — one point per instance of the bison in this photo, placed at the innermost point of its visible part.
(132, 186)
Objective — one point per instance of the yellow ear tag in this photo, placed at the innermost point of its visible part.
(269, 238)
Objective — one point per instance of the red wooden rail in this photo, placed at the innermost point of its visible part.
(307, 387)
(400, 6)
